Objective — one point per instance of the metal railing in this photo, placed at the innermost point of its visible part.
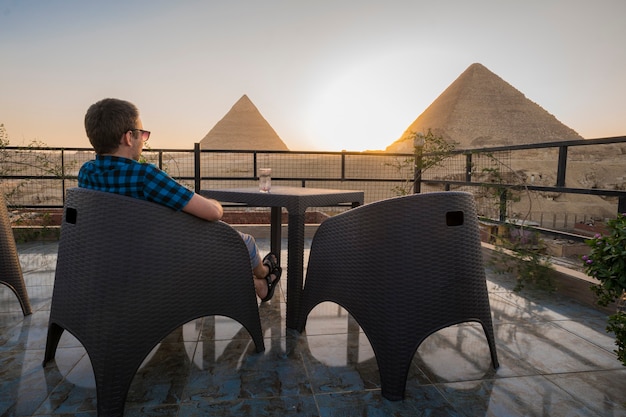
(36, 178)
(563, 147)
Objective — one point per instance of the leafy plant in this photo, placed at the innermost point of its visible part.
(496, 184)
(607, 263)
(523, 256)
(617, 325)
(429, 150)
(22, 170)
(518, 251)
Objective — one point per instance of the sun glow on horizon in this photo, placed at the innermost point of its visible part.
(362, 107)
(353, 112)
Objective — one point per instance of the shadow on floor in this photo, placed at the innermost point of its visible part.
(555, 359)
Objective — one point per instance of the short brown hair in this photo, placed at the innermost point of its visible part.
(107, 120)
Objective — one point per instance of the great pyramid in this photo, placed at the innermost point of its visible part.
(480, 109)
(243, 128)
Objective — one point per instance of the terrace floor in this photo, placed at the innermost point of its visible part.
(555, 360)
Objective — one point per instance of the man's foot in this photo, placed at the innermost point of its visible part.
(273, 276)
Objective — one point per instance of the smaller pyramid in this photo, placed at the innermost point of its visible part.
(480, 109)
(243, 128)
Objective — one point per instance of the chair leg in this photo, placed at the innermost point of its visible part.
(25, 304)
(393, 382)
(54, 335)
(394, 363)
(112, 388)
(21, 294)
(492, 345)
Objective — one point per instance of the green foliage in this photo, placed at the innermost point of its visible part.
(4, 138)
(20, 168)
(607, 263)
(32, 160)
(142, 157)
(523, 256)
(518, 251)
(431, 150)
(41, 233)
(617, 325)
(496, 184)
(153, 158)
(435, 149)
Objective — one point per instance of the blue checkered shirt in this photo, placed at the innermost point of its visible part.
(128, 177)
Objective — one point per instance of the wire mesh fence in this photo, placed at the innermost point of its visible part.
(38, 178)
(527, 185)
(517, 181)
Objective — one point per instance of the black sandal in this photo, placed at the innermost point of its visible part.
(270, 261)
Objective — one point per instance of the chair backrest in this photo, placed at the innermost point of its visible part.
(129, 272)
(404, 268)
(135, 253)
(401, 245)
(10, 268)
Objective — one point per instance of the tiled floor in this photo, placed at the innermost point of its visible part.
(555, 360)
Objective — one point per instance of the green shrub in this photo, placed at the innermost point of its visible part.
(607, 263)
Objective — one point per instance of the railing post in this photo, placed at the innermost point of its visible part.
(418, 146)
(255, 165)
(196, 167)
(468, 167)
(562, 167)
(63, 176)
(503, 205)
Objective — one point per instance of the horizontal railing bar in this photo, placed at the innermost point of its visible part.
(542, 145)
(589, 191)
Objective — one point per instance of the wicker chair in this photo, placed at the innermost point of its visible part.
(404, 268)
(129, 272)
(10, 268)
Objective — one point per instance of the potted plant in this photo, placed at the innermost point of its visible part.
(607, 263)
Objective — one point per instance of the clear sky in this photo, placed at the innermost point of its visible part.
(326, 74)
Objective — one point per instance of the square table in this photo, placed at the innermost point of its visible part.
(296, 200)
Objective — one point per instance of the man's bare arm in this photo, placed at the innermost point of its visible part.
(205, 208)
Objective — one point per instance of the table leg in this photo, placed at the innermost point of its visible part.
(295, 268)
(275, 231)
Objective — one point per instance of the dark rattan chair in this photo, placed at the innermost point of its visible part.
(404, 268)
(129, 272)
(10, 268)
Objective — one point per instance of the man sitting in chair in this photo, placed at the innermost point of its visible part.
(116, 133)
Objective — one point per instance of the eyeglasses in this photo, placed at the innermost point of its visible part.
(145, 134)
